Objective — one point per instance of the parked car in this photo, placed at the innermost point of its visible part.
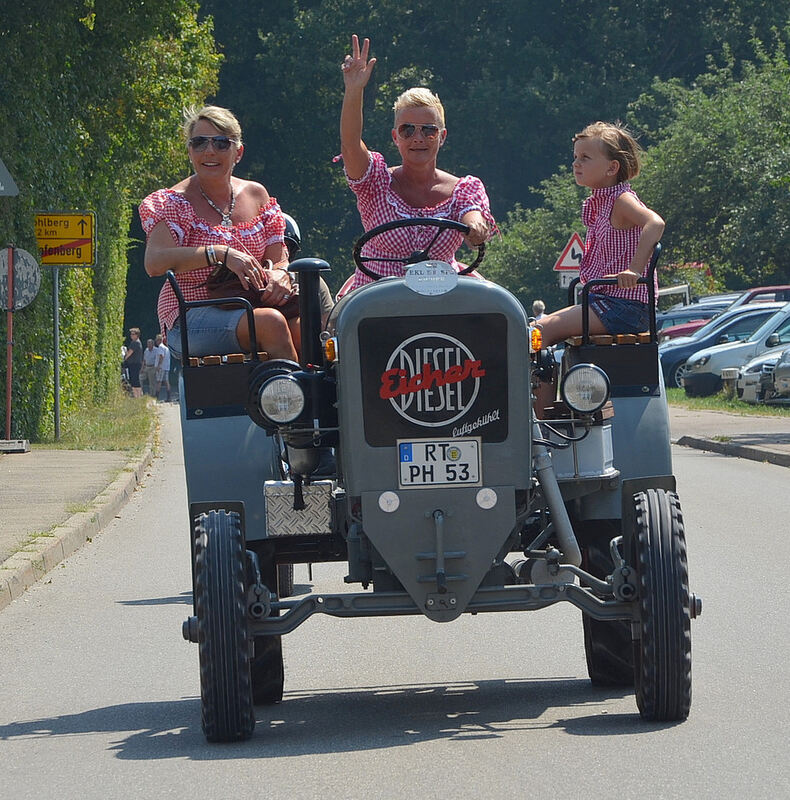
(764, 294)
(753, 377)
(685, 328)
(685, 314)
(726, 298)
(776, 385)
(703, 369)
(729, 326)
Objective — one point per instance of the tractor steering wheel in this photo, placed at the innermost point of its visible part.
(419, 255)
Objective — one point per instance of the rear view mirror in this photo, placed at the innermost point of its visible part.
(723, 339)
(773, 340)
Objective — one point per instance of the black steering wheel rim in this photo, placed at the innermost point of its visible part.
(411, 222)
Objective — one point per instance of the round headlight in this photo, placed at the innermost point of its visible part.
(585, 388)
(281, 399)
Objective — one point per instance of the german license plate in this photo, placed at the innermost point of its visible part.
(439, 462)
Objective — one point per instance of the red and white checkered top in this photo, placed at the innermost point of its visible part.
(189, 230)
(378, 203)
(608, 250)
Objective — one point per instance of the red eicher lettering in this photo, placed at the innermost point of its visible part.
(394, 383)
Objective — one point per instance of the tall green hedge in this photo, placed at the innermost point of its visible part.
(91, 95)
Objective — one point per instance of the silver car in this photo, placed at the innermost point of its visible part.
(755, 376)
(777, 384)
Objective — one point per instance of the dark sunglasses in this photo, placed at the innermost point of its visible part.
(217, 142)
(407, 130)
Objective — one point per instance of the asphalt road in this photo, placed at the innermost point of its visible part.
(100, 695)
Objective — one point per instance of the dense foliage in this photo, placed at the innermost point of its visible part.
(90, 95)
(718, 172)
(518, 78)
(95, 92)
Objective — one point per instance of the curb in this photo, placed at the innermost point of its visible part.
(737, 450)
(30, 564)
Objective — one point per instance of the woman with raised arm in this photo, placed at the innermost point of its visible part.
(415, 187)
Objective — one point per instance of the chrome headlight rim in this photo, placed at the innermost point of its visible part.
(292, 399)
(600, 384)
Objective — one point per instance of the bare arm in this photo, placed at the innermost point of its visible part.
(162, 253)
(356, 74)
(629, 213)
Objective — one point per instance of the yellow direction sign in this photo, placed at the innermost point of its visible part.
(66, 238)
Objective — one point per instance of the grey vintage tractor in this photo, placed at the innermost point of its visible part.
(404, 445)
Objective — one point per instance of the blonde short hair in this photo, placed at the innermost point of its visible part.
(221, 118)
(419, 97)
(618, 144)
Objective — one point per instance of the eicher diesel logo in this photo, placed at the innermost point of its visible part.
(432, 379)
(434, 375)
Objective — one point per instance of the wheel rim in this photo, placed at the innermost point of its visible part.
(678, 373)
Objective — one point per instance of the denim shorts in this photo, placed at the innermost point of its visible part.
(212, 331)
(619, 315)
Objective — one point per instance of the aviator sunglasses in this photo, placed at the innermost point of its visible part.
(217, 142)
(407, 130)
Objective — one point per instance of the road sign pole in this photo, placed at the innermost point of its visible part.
(10, 346)
(56, 332)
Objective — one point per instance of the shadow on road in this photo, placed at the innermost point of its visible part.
(317, 721)
(183, 598)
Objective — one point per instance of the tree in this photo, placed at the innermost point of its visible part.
(517, 78)
(719, 170)
(98, 111)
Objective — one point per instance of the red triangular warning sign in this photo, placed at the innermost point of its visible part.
(571, 257)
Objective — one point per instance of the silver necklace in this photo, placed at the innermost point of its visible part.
(226, 220)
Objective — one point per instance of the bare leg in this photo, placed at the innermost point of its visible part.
(567, 322)
(294, 326)
(271, 331)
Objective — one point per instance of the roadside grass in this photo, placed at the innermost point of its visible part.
(724, 402)
(122, 423)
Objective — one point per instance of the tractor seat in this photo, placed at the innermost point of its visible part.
(605, 340)
(231, 358)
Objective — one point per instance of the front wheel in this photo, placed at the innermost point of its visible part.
(662, 654)
(677, 373)
(225, 684)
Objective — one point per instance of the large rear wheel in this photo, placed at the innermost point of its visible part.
(662, 654)
(225, 685)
